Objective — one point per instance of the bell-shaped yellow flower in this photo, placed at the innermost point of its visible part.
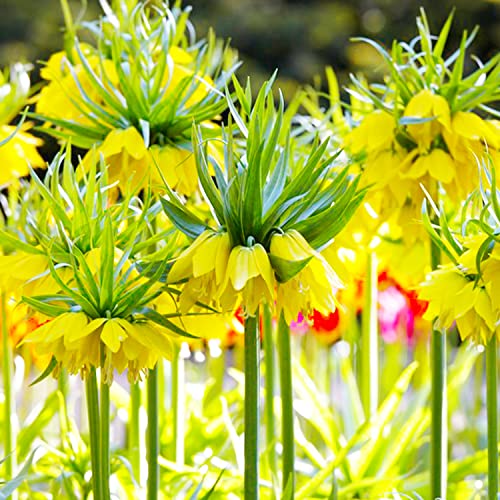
(78, 343)
(312, 288)
(203, 264)
(424, 105)
(249, 275)
(17, 153)
(491, 276)
(454, 297)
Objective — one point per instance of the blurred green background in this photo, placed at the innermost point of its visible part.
(298, 37)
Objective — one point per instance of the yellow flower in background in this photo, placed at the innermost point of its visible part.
(491, 276)
(18, 148)
(204, 264)
(431, 146)
(249, 277)
(135, 166)
(133, 156)
(18, 152)
(453, 297)
(78, 343)
(426, 104)
(61, 97)
(28, 274)
(314, 287)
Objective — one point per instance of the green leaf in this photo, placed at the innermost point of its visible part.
(22, 476)
(107, 266)
(285, 270)
(161, 320)
(48, 370)
(183, 220)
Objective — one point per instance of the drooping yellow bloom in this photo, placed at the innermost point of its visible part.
(203, 264)
(312, 288)
(454, 297)
(78, 343)
(132, 163)
(28, 274)
(426, 104)
(19, 152)
(223, 276)
(250, 276)
(134, 166)
(430, 145)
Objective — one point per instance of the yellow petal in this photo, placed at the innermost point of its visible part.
(78, 333)
(441, 166)
(151, 337)
(113, 335)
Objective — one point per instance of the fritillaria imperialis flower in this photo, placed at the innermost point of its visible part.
(17, 147)
(314, 287)
(133, 106)
(271, 213)
(422, 127)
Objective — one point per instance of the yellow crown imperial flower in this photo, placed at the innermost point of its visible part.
(426, 104)
(314, 287)
(453, 297)
(249, 275)
(18, 149)
(203, 264)
(135, 103)
(266, 190)
(465, 291)
(421, 127)
(78, 343)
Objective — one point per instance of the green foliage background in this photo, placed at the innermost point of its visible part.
(299, 37)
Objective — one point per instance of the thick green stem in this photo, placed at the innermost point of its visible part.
(439, 423)
(269, 360)
(492, 409)
(134, 430)
(287, 433)
(94, 432)
(9, 408)
(104, 440)
(439, 404)
(369, 340)
(178, 405)
(252, 407)
(153, 440)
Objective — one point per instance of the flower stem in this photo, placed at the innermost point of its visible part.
(94, 431)
(269, 361)
(492, 410)
(9, 408)
(252, 407)
(288, 437)
(439, 403)
(104, 440)
(369, 340)
(134, 430)
(153, 440)
(178, 402)
(439, 424)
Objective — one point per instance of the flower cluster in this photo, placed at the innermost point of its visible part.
(135, 95)
(80, 276)
(425, 125)
(267, 210)
(466, 290)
